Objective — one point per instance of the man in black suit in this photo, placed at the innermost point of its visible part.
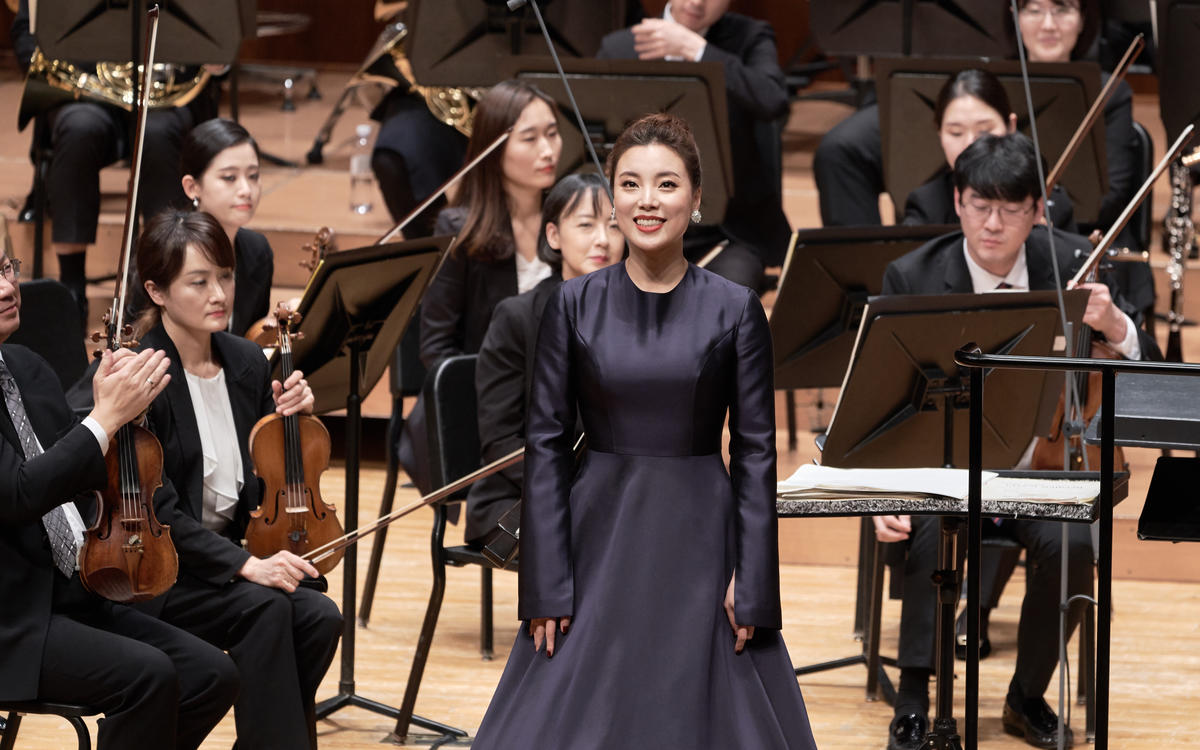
(997, 197)
(702, 31)
(156, 685)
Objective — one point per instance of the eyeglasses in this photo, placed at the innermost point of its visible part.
(1056, 12)
(983, 211)
(11, 270)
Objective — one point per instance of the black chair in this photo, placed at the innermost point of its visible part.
(450, 409)
(72, 713)
(1143, 149)
(50, 326)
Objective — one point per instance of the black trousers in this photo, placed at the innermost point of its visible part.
(281, 643)
(1037, 641)
(414, 154)
(158, 686)
(85, 138)
(848, 170)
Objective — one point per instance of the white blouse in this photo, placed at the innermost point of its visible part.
(530, 272)
(219, 446)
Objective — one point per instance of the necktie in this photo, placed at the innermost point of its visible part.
(62, 539)
(1004, 285)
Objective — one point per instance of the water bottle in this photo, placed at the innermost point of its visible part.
(362, 179)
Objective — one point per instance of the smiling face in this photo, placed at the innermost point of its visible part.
(229, 188)
(198, 300)
(585, 235)
(10, 300)
(531, 153)
(965, 119)
(654, 198)
(1050, 29)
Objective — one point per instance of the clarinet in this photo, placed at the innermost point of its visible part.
(1180, 233)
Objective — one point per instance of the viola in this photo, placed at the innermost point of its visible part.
(290, 454)
(127, 555)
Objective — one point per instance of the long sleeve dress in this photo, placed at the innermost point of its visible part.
(639, 545)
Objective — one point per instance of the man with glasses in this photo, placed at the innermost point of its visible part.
(156, 685)
(1001, 247)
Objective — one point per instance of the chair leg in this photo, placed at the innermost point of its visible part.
(9, 739)
(385, 506)
(425, 640)
(81, 732)
(871, 636)
(1087, 671)
(485, 614)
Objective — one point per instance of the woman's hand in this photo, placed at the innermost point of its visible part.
(743, 633)
(282, 570)
(293, 396)
(544, 628)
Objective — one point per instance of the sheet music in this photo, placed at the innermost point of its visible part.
(1029, 490)
(811, 480)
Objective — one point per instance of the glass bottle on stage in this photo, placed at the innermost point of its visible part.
(362, 178)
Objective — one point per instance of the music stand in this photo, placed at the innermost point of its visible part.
(911, 27)
(356, 307)
(1062, 95)
(894, 422)
(612, 93)
(824, 286)
(459, 44)
(1178, 52)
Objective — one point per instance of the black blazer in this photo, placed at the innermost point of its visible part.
(204, 554)
(72, 464)
(757, 99)
(938, 267)
(933, 203)
(252, 279)
(503, 374)
(458, 305)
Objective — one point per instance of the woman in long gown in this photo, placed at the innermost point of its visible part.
(651, 575)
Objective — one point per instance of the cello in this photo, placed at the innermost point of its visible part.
(290, 454)
(127, 555)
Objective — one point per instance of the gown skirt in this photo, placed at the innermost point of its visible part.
(648, 659)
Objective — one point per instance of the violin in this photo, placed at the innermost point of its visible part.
(290, 454)
(127, 555)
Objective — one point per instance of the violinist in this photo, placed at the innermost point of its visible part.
(755, 226)
(997, 196)
(282, 635)
(496, 216)
(157, 685)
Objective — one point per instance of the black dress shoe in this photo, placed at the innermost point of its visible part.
(960, 636)
(1035, 723)
(907, 732)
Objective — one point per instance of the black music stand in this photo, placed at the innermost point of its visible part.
(612, 93)
(1062, 95)
(1178, 53)
(356, 307)
(911, 27)
(826, 280)
(460, 44)
(895, 422)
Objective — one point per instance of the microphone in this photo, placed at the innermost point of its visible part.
(513, 5)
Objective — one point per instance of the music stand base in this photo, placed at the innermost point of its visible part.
(886, 689)
(348, 699)
(944, 736)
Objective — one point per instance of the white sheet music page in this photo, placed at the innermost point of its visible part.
(816, 481)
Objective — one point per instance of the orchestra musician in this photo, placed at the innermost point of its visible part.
(997, 196)
(578, 236)
(972, 103)
(85, 137)
(755, 226)
(281, 634)
(496, 216)
(650, 575)
(157, 685)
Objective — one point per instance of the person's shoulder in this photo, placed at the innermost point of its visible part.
(932, 251)
(616, 44)
(239, 352)
(738, 25)
(450, 220)
(718, 290)
(252, 247)
(21, 358)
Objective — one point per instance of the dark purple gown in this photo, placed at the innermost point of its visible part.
(639, 544)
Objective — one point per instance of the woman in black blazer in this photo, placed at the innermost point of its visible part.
(578, 236)
(219, 164)
(282, 636)
(496, 216)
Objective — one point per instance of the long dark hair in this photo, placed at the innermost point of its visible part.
(486, 233)
(163, 246)
(202, 144)
(977, 83)
(561, 201)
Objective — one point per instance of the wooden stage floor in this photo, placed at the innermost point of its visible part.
(1156, 638)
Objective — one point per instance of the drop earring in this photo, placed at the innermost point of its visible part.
(696, 216)
(612, 215)
(196, 204)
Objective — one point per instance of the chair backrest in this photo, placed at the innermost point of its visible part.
(1143, 149)
(50, 326)
(406, 376)
(451, 419)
